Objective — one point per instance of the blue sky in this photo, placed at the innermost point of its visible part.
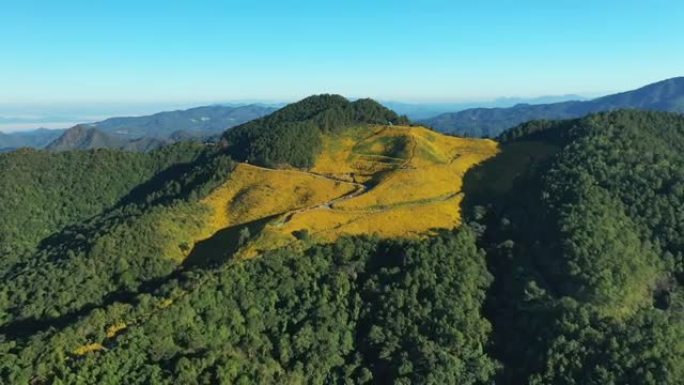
(114, 51)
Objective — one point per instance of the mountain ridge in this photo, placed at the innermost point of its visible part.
(203, 120)
(148, 131)
(665, 95)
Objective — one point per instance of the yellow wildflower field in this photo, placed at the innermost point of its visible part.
(389, 181)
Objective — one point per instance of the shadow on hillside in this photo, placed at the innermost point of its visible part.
(143, 192)
(491, 182)
(222, 245)
(205, 256)
(506, 188)
(76, 236)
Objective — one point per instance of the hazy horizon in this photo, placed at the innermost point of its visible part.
(17, 117)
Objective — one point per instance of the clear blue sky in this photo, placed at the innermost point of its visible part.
(171, 50)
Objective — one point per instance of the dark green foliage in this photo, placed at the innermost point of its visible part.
(422, 306)
(585, 244)
(292, 135)
(647, 348)
(358, 311)
(42, 192)
(111, 254)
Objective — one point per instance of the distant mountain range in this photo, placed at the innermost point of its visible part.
(666, 95)
(143, 133)
(417, 111)
(35, 138)
(139, 132)
(199, 121)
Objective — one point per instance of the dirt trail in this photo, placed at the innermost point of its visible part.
(360, 188)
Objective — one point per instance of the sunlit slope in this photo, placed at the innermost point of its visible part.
(391, 181)
(253, 192)
(419, 165)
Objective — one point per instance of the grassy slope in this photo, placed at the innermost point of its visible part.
(392, 181)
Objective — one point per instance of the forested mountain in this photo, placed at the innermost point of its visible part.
(84, 137)
(583, 224)
(292, 135)
(42, 192)
(198, 121)
(666, 95)
(566, 268)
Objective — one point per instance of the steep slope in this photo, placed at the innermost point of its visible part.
(666, 95)
(195, 217)
(587, 213)
(43, 192)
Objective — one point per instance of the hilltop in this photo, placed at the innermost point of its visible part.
(292, 135)
(666, 95)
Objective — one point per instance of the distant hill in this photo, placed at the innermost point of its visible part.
(140, 132)
(83, 137)
(34, 138)
(666, 95)
(426, 110)
(197, 122)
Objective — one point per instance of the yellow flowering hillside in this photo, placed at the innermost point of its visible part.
(254, 192)
(391, 181)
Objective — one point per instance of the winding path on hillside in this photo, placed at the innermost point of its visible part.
(359, 190)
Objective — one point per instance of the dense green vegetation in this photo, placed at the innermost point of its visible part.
(568, 271)
(292, 135)
(359, 311)
(586, 247)
(42, 192)
(112, 250)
